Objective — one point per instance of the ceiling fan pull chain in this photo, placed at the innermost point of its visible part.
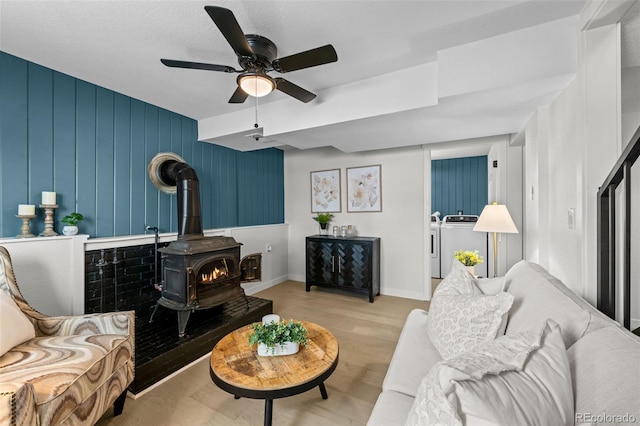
(256, 123)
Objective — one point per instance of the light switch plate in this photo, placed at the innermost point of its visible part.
(571, 218)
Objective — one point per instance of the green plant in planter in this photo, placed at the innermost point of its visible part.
(278, 333)
(72, 219)
(323, 218)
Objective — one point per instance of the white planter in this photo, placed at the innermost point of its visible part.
(288, 348)
(70, 230)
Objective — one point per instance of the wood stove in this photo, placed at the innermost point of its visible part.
(198, 272)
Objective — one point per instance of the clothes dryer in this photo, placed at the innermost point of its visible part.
(456, 233)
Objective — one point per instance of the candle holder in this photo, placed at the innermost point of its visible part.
(48, 220)
(26, 226)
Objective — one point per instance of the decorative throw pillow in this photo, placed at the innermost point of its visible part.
(15, 327)
(461, 316)
(458, 281)
(518, 379)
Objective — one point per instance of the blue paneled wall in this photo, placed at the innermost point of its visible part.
(92, 146)
(459, 184)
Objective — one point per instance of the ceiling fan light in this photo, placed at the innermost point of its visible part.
(256, 84)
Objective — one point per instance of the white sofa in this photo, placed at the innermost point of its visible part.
(604, 358)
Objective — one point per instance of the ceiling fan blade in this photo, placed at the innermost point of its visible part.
(296, 91)
(310, 58)
(238, 97)
(230, 29)
(197, 65)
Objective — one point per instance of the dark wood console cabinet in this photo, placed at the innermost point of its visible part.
(351, 264)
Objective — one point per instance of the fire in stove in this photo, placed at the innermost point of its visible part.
(212, 276)
(215, 271)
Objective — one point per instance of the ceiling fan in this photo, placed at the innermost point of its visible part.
(257, 56)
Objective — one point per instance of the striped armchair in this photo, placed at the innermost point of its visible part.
(71, 371)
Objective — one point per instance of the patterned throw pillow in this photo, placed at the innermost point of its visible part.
(16, 327)
(458, 281)
(461, 316)
(523, 378)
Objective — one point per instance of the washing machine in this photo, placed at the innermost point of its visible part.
(435, 246)
(456, 233)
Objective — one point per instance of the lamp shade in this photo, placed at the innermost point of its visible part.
(495, 218)
(256, 84)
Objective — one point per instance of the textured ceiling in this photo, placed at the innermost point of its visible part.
(118, 44)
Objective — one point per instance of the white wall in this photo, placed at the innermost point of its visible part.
(400, 225)
(571, 146)
(50, 271)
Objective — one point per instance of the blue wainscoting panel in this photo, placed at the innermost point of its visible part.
(459, 184)
(85, 157)
(64, 142)
(105, 173)
(14, 167)
(121, 157)
(92, 146)
(137, 169)
(262, 172)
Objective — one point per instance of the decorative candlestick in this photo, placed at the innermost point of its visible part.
(26, 226)
(48, 220)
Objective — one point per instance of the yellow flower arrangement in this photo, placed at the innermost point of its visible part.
(468, 258)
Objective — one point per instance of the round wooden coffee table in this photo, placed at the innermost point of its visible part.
(237, 368)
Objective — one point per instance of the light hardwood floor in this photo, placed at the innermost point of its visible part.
(367, 334)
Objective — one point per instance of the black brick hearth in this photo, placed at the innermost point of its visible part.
(159, 350)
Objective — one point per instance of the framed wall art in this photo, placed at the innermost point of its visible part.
(364, 189)
(325, 191)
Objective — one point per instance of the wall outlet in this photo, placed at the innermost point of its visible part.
(269, 248)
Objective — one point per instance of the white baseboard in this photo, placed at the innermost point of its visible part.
(259, 286)
(635, 323)
(294, 277)
(403, 293)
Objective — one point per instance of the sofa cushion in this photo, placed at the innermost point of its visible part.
(491, 285)
(461, 316)
(602, 385)
(413, 357)
(391, 409)
(16, 327)
(64, 369)
(459, 323)
(518, 379)
(539, 296)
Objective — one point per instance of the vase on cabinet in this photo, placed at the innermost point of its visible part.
(70, 230)
(324, 228)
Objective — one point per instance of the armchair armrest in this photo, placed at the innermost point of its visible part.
(107, 323)
(18, 404)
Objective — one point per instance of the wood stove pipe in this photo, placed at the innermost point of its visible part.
(188, 190)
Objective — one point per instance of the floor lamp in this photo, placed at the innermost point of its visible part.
(495, 218)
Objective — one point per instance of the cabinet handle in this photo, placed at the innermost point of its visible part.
(339, 266)
(333, 264)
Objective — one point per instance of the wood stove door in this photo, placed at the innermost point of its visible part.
(251, 268)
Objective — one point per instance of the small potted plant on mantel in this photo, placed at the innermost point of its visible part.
(275, 337)
(71, 221)
(323, 219)
(469, 259)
